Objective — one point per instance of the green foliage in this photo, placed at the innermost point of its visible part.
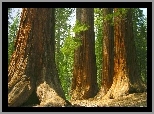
(9, 15)
(109, 17)
(120, 12)
(140, 34)
(64, 47)
(13, 24)
(70, 44)
(123, 11)
(66, 44)
(98, 24)
(80, 27)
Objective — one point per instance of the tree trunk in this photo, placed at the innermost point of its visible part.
(108, 53)
(136, 83)
(32, 68)
(126, 76)
(108, 56)
(84, 82)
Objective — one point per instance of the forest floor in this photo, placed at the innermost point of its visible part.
(131, 100)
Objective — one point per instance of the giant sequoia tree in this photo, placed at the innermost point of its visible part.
(84, 82)
(126, 75)
(108, 52)
(108, 41)
(32, 70)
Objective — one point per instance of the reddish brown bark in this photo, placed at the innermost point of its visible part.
(126, 78)
(32, 68)
(108, 55)
(84, 83)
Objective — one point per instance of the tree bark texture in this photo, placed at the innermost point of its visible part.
(126, 78)
(32, 68)
(108, 53)
(84, 82)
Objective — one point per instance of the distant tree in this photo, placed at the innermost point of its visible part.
(98, 20)
(13, 26)
(140, 37)
(64, 61)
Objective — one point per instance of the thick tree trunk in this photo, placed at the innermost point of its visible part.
(32, 68)
(84, 83)
(108, 53)
(126, 76)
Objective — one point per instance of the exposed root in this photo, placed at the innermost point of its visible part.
(48, 96)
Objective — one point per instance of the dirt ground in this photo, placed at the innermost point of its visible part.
(131, 100)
